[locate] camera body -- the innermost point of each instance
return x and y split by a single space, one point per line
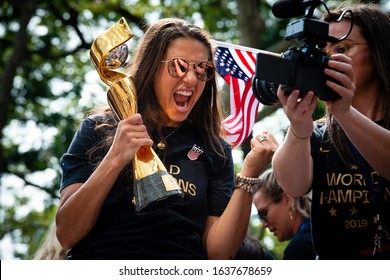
297 68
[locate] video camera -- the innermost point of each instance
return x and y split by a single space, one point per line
298 67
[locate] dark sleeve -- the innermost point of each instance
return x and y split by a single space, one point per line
220 187
74 163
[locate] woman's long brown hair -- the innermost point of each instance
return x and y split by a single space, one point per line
375 26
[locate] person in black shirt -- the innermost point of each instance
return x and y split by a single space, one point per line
287 217
344 157
179 116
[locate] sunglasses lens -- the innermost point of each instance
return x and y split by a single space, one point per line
204 70
263 215
263 212
178 67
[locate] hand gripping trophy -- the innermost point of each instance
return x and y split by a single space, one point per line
154 187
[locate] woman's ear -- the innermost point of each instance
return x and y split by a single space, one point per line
288 200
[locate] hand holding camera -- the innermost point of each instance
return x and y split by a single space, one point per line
299 67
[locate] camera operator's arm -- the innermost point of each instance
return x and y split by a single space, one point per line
292 162
356 119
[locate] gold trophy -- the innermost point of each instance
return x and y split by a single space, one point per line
154 187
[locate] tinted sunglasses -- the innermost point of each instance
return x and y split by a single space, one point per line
263 212
179 67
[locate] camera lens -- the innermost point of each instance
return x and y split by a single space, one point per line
265 91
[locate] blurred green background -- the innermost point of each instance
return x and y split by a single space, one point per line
47 83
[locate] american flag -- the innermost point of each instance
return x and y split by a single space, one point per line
236 65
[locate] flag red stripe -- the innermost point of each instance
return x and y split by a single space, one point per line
238 67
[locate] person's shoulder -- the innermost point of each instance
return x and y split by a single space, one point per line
88 126
299 239
300 247
101 117
302 238
89 123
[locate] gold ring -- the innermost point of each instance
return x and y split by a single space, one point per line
262 138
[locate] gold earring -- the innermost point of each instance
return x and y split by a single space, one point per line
290 214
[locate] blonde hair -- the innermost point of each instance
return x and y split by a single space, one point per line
271 188
50 248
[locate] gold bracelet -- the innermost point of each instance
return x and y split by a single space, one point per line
299 137
248 184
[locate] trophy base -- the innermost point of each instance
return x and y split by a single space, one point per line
156 191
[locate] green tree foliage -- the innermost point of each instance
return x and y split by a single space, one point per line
47 86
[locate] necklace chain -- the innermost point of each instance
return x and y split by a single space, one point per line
160 144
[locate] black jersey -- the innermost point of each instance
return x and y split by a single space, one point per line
170 233
343 205
300 247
